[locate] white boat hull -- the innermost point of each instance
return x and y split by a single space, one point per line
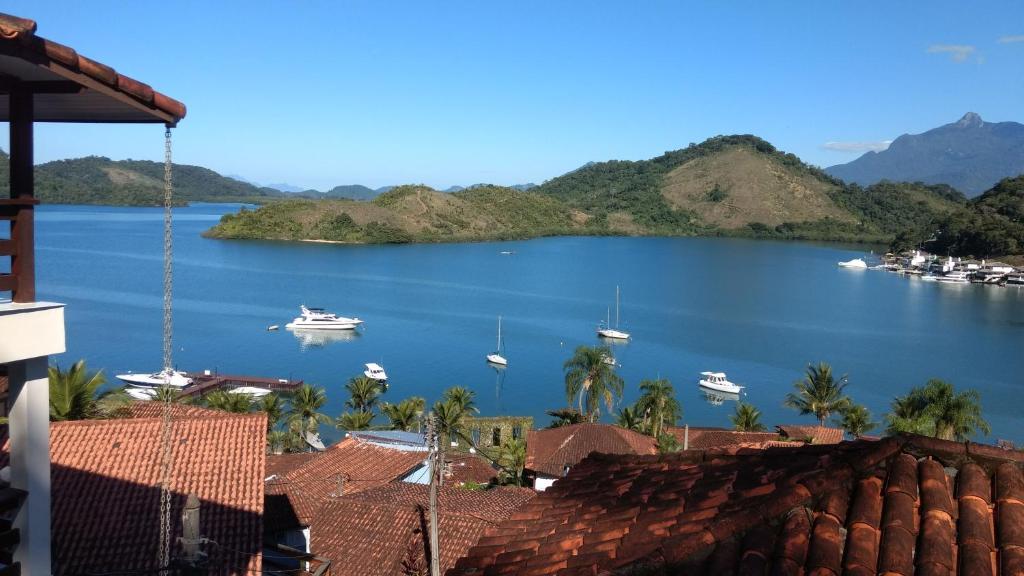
497 359
856 264
613 334
341 324
250 390
176 379
725 387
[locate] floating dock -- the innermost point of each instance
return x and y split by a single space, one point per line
203 382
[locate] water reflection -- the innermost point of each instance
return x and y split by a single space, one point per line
716 398
319 338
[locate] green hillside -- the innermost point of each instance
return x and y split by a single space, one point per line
99 180
406 214
988 226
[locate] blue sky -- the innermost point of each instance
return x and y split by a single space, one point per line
320 93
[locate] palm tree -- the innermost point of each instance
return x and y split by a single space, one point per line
629 419
73 393
667 443
273 407
564 417
277 441
590 380
303 415
513 459
228 402
819 393
363 393
462 397
747 418
658 405
957 416
856 421
405 415
169 394
354 421
908 415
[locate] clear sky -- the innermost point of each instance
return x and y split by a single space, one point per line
320 93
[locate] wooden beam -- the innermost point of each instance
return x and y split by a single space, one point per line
9 84
23 264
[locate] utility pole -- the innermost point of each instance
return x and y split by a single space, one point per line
436 461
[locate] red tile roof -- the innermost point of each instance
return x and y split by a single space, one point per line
18 36
550 450
707 438
463 468
278 465
105 494
149 409
899 506
816 434
297 495
382 531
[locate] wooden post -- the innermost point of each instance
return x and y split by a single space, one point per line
23 266
436 461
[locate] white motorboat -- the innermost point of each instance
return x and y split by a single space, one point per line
496 356
250 390
376 372
141 393
157 379
717 381
857 263
607 331
1015 279
272 327
929 278
609 360
319 319
955 277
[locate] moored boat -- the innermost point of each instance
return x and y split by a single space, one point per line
319 319
718 382
606 331
856 263
376 372
168 377
496 357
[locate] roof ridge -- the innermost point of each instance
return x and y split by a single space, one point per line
140 421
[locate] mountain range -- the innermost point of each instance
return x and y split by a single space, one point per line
970 155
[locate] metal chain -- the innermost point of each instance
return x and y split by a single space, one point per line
166 424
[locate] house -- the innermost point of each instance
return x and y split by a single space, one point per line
552 452
900 506
297 487
105 477
384 530
488 433
43 81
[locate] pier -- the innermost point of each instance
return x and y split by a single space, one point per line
203 382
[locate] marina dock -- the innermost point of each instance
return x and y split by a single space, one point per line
203 382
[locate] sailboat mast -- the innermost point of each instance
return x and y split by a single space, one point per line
616 307
499 333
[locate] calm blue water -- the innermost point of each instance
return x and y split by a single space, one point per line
759 311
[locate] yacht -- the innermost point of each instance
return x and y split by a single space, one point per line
496 356
319 319
718 382
157 379
857 263
955 277
1016 279
376 372
607 331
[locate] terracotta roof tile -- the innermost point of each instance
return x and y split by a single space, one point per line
144 409
862 507
295 497
278 465
707 438
21 33
463 468
382 530
816 434
550 450
105 496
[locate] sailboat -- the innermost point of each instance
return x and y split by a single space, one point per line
614 333
496 357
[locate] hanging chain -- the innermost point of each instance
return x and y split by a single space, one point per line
165 425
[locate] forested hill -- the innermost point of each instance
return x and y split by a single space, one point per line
742 185
99 180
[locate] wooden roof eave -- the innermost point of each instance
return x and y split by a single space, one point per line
88 83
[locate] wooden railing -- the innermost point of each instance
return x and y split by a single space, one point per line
19 247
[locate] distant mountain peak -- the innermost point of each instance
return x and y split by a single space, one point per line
970 120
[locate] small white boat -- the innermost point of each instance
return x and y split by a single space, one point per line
955 277
507 252
272 327
319 319
141 393
250 390
1015 279
496 357
376 372
157 379
607 331
857 263
929 278
609 360
717 381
